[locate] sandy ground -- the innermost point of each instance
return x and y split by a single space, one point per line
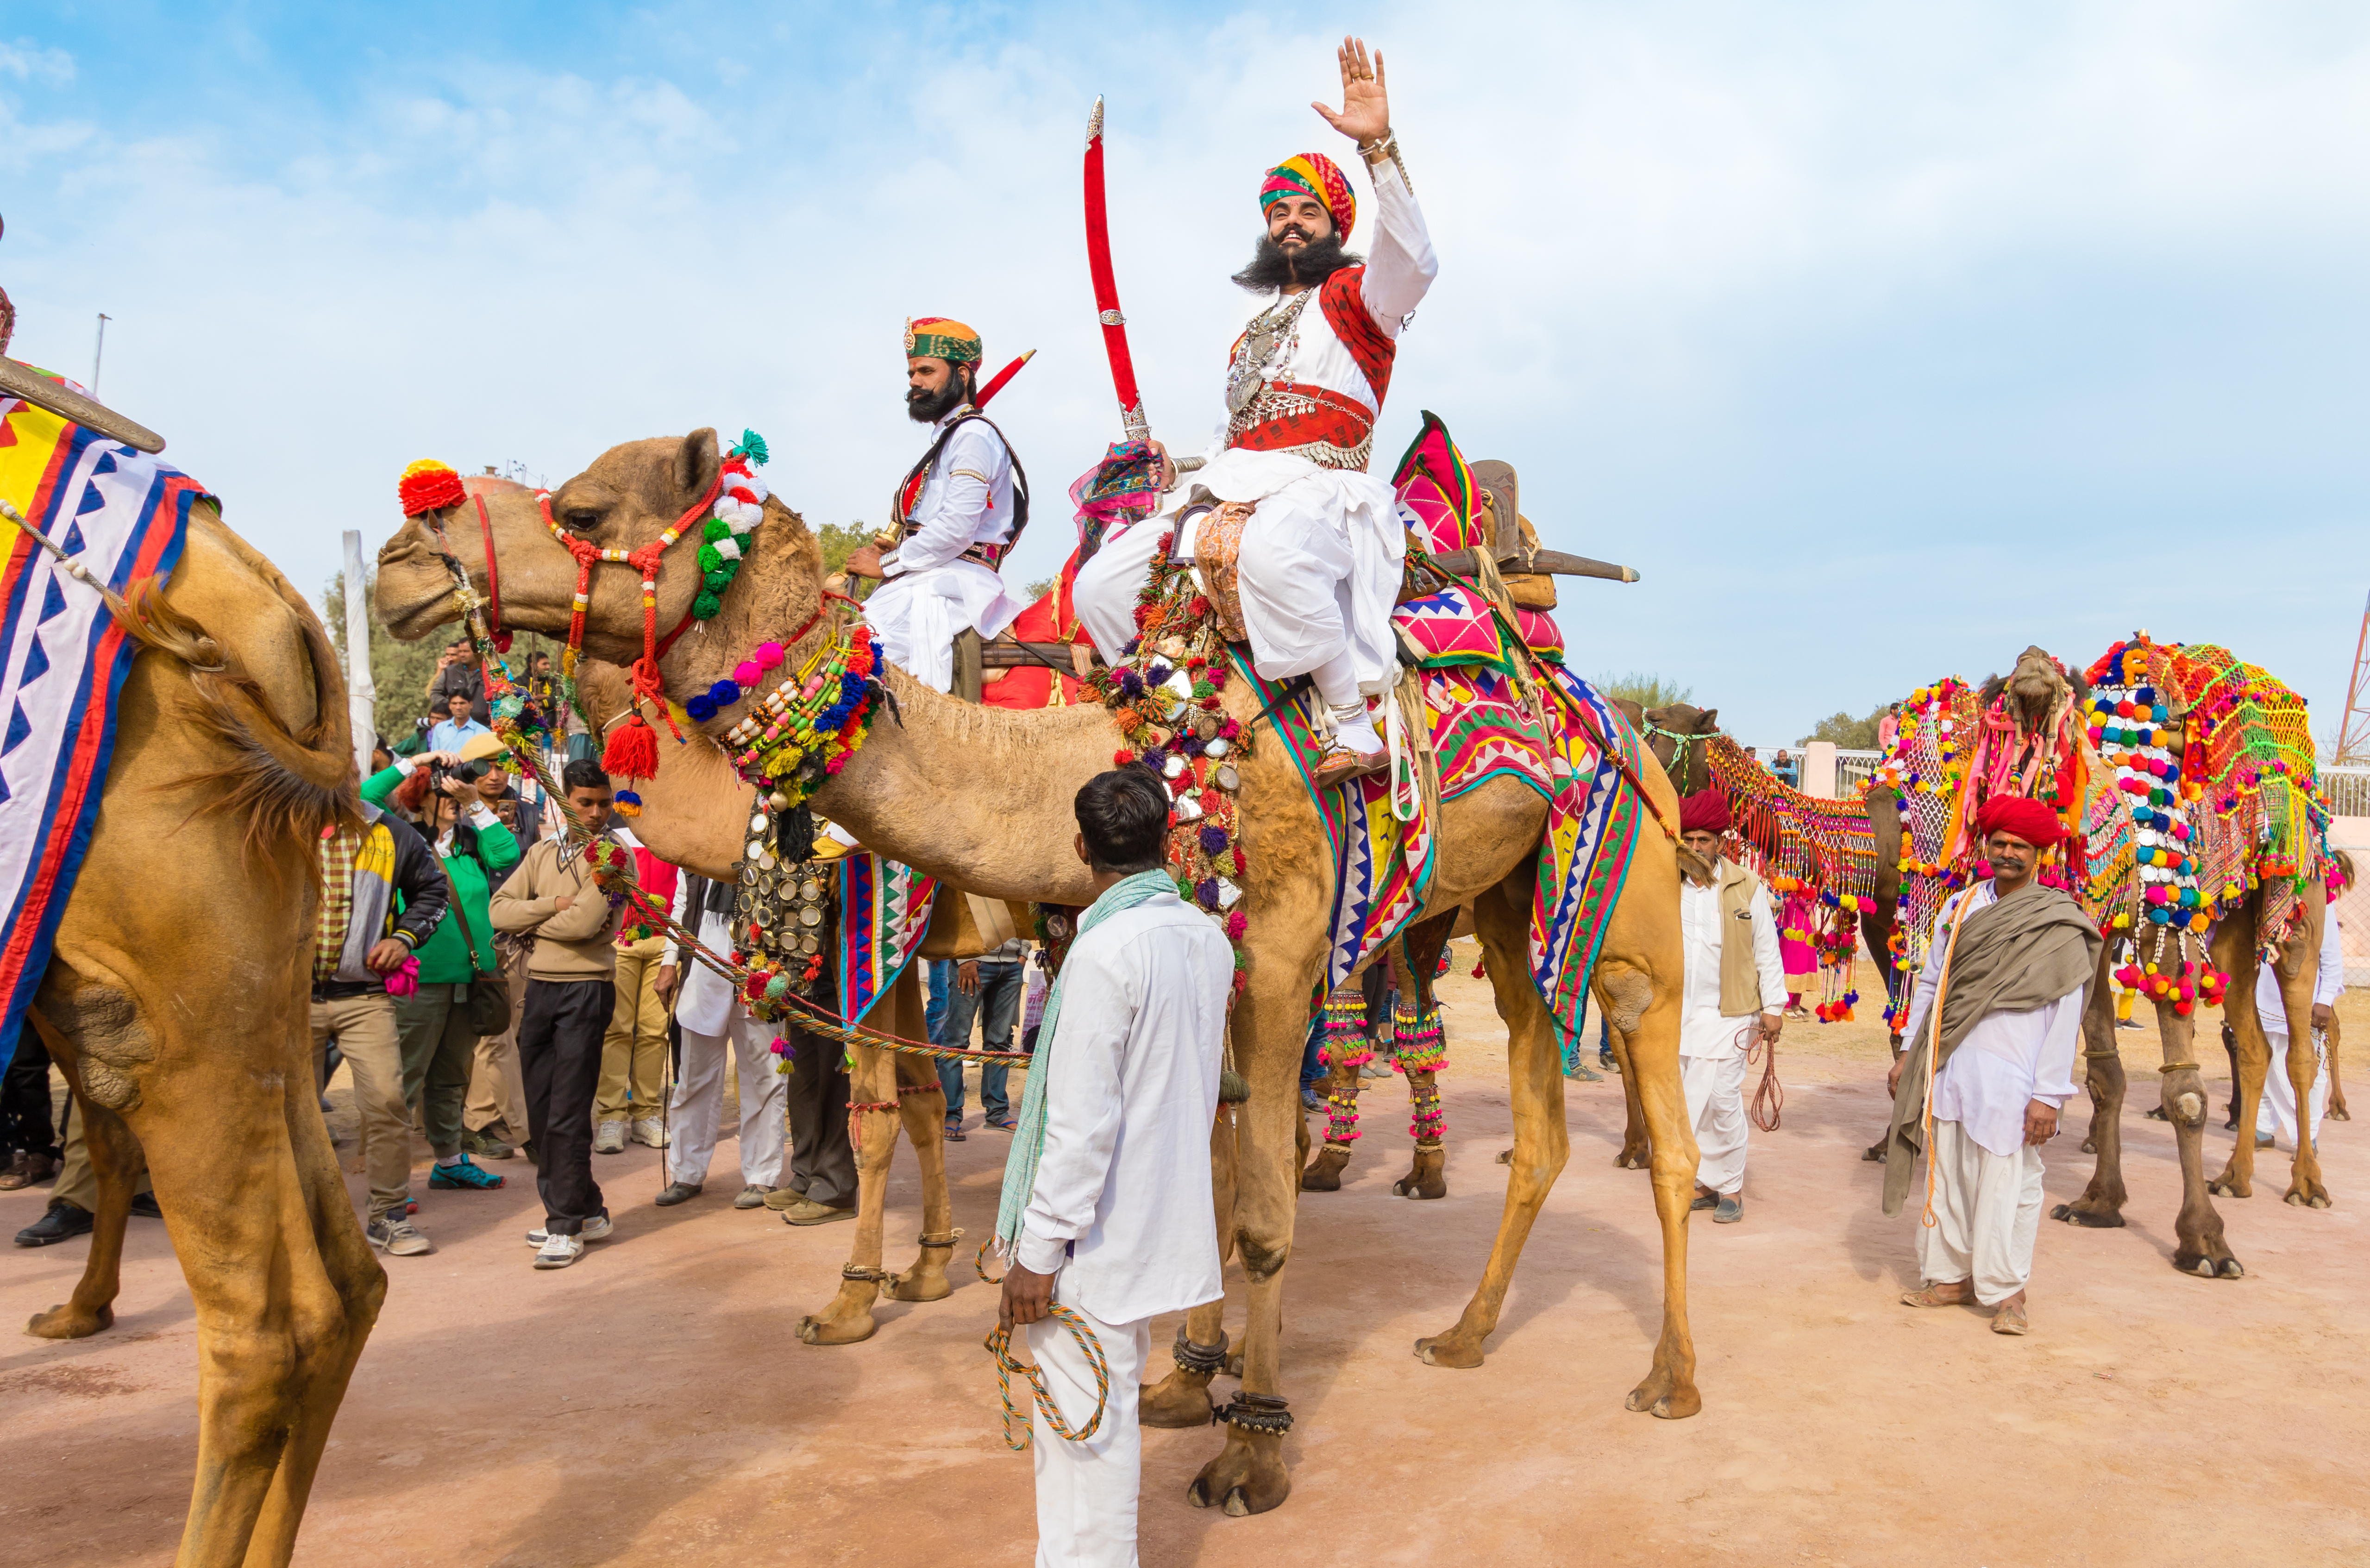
652 1405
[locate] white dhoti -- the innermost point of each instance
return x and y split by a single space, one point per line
698 1103
916 617
1086 1492
2275 1114
1986 1216
1318 571
1715 1091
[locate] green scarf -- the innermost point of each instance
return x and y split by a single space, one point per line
1028 1138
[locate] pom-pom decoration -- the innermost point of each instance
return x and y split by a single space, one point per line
429 486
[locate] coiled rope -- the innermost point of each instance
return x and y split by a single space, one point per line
999 1345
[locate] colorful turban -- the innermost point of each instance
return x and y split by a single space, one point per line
938 338
1706 811
1313 174
2031 821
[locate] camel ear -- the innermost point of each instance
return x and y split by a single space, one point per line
696 462
1710 721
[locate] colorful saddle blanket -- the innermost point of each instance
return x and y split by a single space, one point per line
884 912
123 515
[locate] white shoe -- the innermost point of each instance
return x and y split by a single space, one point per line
610 1137
652 1131
557 1252
597 1229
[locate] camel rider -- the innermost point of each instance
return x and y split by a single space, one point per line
953 518
1733 991
1319 561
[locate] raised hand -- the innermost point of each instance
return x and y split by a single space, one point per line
1365 114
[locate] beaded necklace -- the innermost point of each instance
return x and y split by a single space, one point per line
804 730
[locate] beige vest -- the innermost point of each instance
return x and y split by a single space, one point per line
1740 977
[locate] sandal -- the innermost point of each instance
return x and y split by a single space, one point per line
1931 1297
1340 764
2010 1319
954 1130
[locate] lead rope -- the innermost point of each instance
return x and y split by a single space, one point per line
1934 1049
999 1345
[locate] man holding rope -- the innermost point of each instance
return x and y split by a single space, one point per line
1734 995
1107 1197
1993 1026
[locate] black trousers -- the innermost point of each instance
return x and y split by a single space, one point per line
822 1166
560 1028
25 1100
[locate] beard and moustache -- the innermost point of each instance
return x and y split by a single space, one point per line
924 407
1272 266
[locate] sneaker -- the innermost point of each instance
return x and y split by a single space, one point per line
610 1138
650 1131
394 1234
487 1147
2129 1023
1375 1069
751 1196
595 1229
464 1172
557 1252
65 1220
676 1193
1731 1210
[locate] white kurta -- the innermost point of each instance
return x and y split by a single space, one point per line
2275 1116
1320 562
1713 1048
715 1021
931 593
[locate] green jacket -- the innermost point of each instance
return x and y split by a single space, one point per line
445 960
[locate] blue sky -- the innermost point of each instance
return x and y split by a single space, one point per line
1883 340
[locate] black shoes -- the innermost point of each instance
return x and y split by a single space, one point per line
63 1222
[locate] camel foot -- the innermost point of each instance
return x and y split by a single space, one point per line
1427 1178
2091 1219
1181 1399
1248 1477
1505 1157
2229 1185
2338 1113
1874 1153
2206 1265
2089 1146
1633 1157
1235 1364
1324 1172
2308 1194
1453 1348
847 1321
1662 1396
923 1282
67 1322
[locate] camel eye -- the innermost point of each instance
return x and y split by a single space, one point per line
581 520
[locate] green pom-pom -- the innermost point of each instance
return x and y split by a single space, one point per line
704 607
719 579
711 560
714 529
753 446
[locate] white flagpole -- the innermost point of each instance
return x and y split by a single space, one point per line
361 694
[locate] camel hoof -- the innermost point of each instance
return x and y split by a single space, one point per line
1324 1172
1676 1405
1247 1477
2089 1146
1427 1178
1632 1159
1236 1508
1196 1493
2205 1266
63 1322
2308 1197
1444 1351
919 1286
2230 1187
2231 1269
1176 1401
2338 1113
844 1331
1235 1364
2154 1114
2094 1219
1874 1153
1505 1157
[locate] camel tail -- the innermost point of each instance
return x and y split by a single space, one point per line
288 786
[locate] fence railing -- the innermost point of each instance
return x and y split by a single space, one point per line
2348 790
1852 769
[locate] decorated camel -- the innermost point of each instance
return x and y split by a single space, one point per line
974 796
175 1002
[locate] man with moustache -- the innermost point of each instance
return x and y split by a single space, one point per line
1322 546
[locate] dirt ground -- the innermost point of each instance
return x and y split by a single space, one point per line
652 1404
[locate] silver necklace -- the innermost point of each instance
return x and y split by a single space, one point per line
1269 330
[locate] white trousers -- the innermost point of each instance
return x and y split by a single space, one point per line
699 1103
1715 1090
1986 1215
2275 1114
1087 1491
917 625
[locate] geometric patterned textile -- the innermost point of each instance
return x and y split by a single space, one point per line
1926 770
122 515
884 912
1437 495
1452 626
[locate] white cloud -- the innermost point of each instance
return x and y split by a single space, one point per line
27 62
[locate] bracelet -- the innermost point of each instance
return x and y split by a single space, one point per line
1388 147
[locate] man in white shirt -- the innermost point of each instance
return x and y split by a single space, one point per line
1734 992
1107 1199
715 1019
1997 1009
2276 1113
954 516
1321 554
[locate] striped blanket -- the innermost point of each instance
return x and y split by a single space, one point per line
884 911
123 515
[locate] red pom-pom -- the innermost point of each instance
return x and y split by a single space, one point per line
633 752
1122 758
429 486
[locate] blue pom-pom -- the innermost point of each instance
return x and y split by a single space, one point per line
701 709
724 694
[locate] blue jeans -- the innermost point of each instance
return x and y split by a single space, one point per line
997 1007
934 1016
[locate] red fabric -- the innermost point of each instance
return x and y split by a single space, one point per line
1031 685
2029 819
1342 420
657 877
1706 811
1344 296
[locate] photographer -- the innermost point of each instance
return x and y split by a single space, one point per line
435 1026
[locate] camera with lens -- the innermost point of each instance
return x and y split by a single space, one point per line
465 772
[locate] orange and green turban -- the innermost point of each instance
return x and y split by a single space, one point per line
938 338
1313 174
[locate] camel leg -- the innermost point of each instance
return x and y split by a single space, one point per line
1182 1399
1420 1052
109 1144
2100 1205
1636 1147
848 1318
2200 1247
922 1107
2337 1111
2233 954
1347 1048
2305 1188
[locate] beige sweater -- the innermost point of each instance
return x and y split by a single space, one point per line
575 943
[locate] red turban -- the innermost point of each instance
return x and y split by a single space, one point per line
1706 811
2031 821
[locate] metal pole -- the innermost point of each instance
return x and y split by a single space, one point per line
362 693
97 350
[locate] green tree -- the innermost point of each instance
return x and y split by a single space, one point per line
840 540
401 671
1846 731
1645 690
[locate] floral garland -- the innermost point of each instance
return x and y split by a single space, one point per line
740 507
1163 694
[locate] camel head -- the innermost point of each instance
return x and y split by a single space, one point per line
628 497
1676 738
2037 689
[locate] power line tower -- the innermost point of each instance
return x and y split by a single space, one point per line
2354 724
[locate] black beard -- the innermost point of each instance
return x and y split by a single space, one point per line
1272 266
929 408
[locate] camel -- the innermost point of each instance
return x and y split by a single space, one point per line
976 795
176 1007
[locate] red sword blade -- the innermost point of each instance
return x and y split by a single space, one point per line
1099 264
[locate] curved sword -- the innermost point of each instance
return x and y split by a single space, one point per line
1099 264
